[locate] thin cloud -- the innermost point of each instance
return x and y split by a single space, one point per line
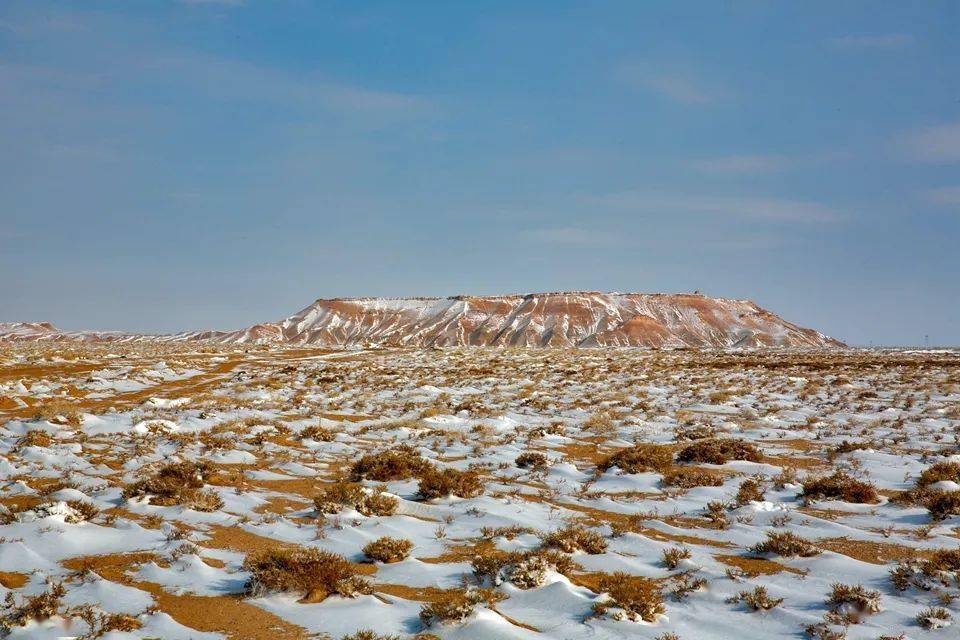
882 41
948 196
937 144
741 164
576 237
769 209
673 84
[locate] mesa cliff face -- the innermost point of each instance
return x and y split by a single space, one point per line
565 319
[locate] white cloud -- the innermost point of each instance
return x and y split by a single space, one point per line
949 196
576 237
671 83
741 164
881 41
938 144
756 208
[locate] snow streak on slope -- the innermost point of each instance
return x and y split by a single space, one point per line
570 319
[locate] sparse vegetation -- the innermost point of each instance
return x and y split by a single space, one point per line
314 573
388 549
719 451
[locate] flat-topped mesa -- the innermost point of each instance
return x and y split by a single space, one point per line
556 319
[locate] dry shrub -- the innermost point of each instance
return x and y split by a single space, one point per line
756 600
316 573
457 605
719 451
318 433
576 538
369 502
525 569
690 477
59 412
399 463
939 472
750 490
934 618
786 543
367 634
673 556
438 484
177 483
853 601
388 549
508 532
34 438
696 432
532 460
840 486
82 511
940 568
943 504
639 458
33 608
638 598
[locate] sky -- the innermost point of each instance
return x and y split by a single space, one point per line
170 165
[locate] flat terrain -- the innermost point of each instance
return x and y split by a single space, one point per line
188 491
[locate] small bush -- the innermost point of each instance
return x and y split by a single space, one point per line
177 483
82 511
940 568
939 472
639 458
787 544
750 490
457 605
34 438
673 556
388 549
639 598
313 572
438 484
719 451
934 618
369 502
943 504
840 486
576 538
318 433
690 477
532 460
367 634
39 607
399 463
853 599
756 600
525 569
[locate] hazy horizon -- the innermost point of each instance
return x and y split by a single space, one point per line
218 163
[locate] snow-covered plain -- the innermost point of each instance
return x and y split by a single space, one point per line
276 427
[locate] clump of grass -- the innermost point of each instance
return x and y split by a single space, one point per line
934 618
638 598
399 463
532 460
367 634
388 549
315 573
32 608
939 472
369 502
840 486
673 556
719 451
318 433
457 605
750 490
34 438
639 458
786 543
853 601
59 412
756 600
941 567
438 484
177 483
525 569
576 538
509 532
690 477
81 511
943 504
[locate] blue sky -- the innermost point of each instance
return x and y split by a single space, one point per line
173 165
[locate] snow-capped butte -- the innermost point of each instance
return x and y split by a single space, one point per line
566 319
